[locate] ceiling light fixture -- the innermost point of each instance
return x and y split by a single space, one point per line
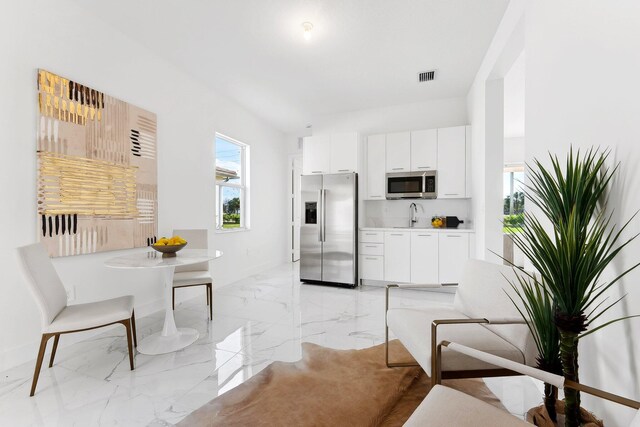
307 27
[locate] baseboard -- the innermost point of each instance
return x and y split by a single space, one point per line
27 352
381 284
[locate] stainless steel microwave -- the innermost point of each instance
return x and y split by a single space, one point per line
412 185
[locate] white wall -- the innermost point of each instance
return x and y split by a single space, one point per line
567 103
61 38
487 138
513 150
423 115
514 99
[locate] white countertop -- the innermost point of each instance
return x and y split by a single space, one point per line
418 229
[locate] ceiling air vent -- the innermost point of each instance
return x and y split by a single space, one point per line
426 76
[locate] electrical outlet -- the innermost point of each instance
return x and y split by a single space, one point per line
71 294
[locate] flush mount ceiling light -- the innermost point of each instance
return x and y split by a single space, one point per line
307 27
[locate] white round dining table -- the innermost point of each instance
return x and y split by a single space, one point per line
171 338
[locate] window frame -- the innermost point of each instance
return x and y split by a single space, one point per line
243 186
511 169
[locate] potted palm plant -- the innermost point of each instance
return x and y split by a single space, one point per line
537 309
573 251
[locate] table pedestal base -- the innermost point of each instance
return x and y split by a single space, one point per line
171 338
159 344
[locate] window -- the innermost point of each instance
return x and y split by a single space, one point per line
232 184
513 207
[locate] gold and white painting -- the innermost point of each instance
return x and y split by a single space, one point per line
97 170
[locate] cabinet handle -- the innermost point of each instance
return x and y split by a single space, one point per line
379 197
424 235
316 171
451 194
453 235
397 169
343 170
371 234
396 234
370 246
424 167
371 259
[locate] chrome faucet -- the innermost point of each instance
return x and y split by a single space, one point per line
412 218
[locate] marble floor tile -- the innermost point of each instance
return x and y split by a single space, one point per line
258 320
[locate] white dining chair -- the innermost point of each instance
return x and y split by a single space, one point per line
59 318
196 274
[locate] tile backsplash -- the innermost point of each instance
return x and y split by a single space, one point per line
396 213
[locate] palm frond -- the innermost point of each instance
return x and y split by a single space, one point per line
581 242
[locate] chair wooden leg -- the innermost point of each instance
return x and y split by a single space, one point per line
207 289
210 301
133 326
127 325
36 373
53 351
173 298
210 288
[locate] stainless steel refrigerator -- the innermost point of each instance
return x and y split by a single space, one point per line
329 229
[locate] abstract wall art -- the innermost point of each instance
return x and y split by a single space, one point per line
97 170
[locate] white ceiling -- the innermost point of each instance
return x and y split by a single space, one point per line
363 53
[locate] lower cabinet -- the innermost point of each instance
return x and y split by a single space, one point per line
415 256
424 257
371 267
397 256
454 252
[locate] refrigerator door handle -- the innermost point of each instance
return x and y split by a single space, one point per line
324 215
320 212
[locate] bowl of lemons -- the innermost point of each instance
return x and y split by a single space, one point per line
169 246
438 222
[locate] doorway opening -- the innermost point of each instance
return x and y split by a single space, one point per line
514 159
295 170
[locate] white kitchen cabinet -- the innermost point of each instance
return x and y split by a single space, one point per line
424 257
398 152
376 167
452 163
344 152
371 249
316 154
372 236
371 267
424 150
397 256
453 248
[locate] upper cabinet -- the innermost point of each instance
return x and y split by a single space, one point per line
398 152
446 150
316 154
335 153
424 150
452 159
375 164
344 152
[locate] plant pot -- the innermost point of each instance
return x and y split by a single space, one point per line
538 416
